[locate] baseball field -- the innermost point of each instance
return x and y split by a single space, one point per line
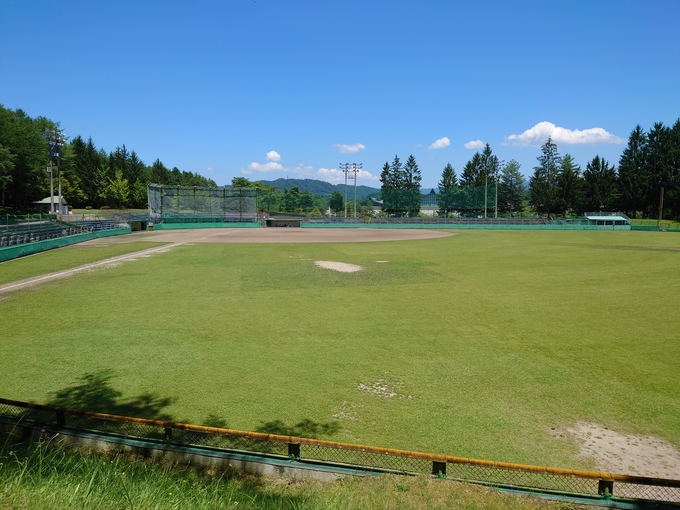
486 344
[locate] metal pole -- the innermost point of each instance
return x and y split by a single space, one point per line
345 169
486 187
49 170
661 205
59 179
354 168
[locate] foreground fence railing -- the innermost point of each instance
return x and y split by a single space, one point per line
501 474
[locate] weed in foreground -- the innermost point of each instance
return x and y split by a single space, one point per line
45 475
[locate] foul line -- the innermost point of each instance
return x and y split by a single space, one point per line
62 274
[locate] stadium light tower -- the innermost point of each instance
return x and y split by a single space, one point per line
55 141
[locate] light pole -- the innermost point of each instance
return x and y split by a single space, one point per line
498 166
55 141
356 168
344 167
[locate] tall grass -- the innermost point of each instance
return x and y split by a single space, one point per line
46 476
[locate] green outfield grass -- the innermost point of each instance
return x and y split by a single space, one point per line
473 345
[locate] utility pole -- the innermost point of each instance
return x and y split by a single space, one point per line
351 171
344 167
356 168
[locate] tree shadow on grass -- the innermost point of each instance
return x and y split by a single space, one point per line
305 428
212 420
94 392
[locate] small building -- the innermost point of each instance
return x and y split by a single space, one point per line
45 205
612 219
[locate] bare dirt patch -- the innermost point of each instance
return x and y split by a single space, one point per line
386 386
628 454
338 266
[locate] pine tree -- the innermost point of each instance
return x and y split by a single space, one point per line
447 190
511 190
600 183
570 185
411 186
544 183
633 175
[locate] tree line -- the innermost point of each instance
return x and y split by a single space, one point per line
645 183
89 175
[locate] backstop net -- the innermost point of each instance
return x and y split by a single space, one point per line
190 204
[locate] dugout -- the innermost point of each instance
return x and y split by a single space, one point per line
608 219
283 222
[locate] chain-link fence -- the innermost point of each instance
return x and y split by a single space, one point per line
168 204
497 474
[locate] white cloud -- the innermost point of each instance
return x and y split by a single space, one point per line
335 176
273 156
440 143
272 166
348 149
537 136
210 169
474 144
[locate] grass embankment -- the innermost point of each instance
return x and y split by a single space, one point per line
473 345
46 477
62 259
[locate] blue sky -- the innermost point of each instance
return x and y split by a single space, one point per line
276 88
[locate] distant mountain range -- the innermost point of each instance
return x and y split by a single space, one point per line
322 188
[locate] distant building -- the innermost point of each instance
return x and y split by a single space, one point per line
45 204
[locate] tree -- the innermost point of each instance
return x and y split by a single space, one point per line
241 182
159 174
600 183
6 167
448 190
633 175
511 189
543 184
672 200
570 185
336 202
391 179
118 192
471 171
101 185
659 171
411 185
25 181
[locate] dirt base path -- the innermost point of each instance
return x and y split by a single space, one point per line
289 235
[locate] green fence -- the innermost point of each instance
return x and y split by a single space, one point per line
21 250
656 225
